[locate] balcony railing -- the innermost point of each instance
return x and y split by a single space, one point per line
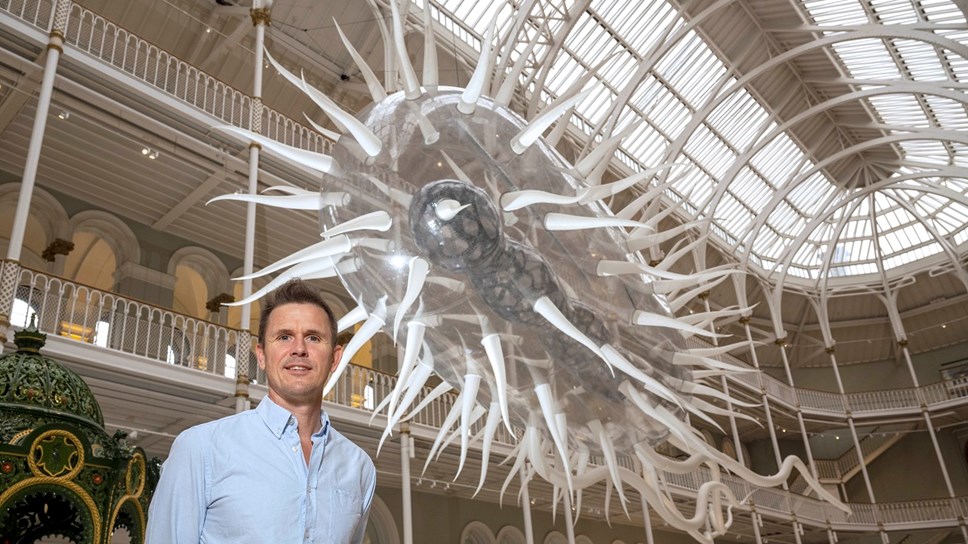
115 46
60 307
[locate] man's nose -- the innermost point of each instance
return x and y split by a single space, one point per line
299 346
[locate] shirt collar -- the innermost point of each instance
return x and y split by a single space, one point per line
278 418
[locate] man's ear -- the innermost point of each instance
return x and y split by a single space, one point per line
337 355
260 356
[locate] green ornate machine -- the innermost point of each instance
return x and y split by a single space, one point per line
60 472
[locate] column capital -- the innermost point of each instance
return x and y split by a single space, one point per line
242 386
260 16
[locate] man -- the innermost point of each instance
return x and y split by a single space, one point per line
279 473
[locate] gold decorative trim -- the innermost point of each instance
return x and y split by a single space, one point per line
135 488
39 470
46 480
902 342
137 507
830 350
56 47
20 436
261 15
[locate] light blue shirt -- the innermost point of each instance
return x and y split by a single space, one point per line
244 478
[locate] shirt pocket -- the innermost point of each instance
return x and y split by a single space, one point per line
345 501
344 515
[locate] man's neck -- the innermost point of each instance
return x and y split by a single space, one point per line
307 415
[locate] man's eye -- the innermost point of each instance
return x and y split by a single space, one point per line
314 339
285 336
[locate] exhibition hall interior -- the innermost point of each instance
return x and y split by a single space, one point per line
727 300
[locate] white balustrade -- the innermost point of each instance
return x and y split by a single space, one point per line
63 308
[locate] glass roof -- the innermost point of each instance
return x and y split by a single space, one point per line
769 198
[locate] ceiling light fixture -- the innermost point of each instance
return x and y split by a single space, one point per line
64 115
150 153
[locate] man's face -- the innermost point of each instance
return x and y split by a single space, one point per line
298 354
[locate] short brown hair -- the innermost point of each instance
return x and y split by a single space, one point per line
295 291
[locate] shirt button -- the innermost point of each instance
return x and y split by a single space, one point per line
294 448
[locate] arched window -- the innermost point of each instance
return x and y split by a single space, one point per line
381 527
476 532
509 534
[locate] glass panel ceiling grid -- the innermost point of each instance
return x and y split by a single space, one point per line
680 83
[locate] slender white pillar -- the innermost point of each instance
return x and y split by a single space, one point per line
405 483
803 428
765 400
647 520
569 518
704 296
54 49
261 18
526 505
756 524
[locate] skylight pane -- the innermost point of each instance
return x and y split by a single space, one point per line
920 60
739 105
565 71
950 114
808 254
767 244
942 11
693 182
709 151
588 39
900 109
646 144
618 70
812 193
894 12
597 103
645 25
859 227
836 12
691 69
867 59
750 188
732 215
785 219
927 151
669 113
774 160
957 63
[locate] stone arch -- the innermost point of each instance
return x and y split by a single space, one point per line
476 532
112 230
46 214
555 537
211 274
102 244
381 526
509 534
